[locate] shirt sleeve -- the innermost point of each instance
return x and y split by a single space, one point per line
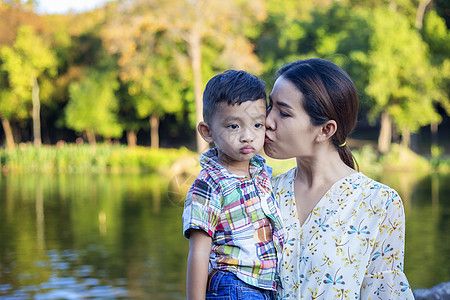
202 208
384 278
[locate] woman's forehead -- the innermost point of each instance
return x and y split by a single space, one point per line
285 93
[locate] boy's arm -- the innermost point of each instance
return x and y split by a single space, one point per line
198 264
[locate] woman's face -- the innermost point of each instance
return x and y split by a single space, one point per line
290 132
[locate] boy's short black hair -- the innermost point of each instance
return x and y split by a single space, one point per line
232 87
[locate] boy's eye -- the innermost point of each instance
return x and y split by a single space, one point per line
233 126
259 125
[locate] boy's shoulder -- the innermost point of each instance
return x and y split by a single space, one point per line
205 175
203 187
210 177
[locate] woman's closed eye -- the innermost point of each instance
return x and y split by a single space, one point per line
284 115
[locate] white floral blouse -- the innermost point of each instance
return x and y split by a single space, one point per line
351 246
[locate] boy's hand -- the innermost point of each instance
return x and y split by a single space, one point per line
198 264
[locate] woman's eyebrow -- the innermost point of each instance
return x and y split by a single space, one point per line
280 103
284 104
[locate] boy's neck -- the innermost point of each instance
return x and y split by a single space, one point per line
240 168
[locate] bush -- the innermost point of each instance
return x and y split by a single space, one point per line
404 159
368 160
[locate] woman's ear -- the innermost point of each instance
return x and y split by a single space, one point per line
326 131
205 132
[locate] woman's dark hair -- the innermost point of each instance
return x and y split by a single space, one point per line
329 94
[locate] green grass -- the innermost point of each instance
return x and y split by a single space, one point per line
72 158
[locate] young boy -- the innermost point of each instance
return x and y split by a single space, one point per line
230 217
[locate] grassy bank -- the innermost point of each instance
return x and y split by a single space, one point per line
73 158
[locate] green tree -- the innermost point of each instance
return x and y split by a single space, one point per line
156 38
151 69
93 106
437 36
386 57
13 14
407 8
401 80
79 49
281 31
11 107
28 59
227 24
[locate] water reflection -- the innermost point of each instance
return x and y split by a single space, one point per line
90 237
119 236
427 209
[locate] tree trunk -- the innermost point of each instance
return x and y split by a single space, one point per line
421 12
385 136
434 138
8 133
154 128
91 137
195 54
131 138
434 133
406 138
36 112
393 5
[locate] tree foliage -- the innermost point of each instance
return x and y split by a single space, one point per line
29 57
437 36
150 65
384 54
153 58
27 61
400 77
93 106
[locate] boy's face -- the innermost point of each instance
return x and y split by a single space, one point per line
238 131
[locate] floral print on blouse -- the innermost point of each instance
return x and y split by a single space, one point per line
351 246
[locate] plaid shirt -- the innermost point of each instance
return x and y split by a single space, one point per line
241 216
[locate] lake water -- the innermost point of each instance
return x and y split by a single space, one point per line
120 236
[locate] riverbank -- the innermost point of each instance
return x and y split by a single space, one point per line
73 158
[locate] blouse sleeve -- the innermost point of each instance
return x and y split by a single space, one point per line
384 278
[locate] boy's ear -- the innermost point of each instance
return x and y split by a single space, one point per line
326 131
205 131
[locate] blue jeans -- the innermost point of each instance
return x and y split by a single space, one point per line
224 285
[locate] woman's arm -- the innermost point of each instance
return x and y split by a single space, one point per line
197 265
385 278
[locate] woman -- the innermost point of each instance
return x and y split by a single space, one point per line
344 232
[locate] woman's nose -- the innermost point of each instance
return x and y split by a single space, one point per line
270 123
